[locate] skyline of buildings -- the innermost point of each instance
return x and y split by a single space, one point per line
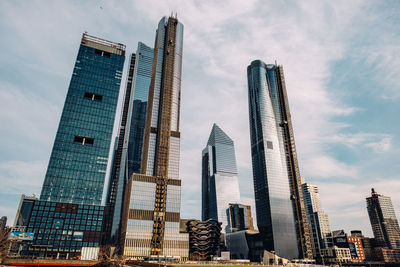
281 214
151 212
220 185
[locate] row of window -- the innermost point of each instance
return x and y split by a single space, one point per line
93 65
87 53
67 227
68 244
72 216
81 85
54 204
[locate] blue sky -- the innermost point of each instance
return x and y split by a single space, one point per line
341 61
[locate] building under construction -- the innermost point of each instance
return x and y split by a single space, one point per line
151 212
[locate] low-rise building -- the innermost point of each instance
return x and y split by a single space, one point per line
387 255
60 230
335 254
245 244
354 243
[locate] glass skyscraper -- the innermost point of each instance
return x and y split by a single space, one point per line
78 161
385 225
151 213
281 215
67 221
220 185
128 152
321 233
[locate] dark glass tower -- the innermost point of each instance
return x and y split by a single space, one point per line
128 152
220 185
67 221
78 161
281 215
383 221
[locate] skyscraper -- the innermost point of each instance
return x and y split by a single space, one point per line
151 211
383 221
281 215
128 153
220 184
321 233
78 161
67 221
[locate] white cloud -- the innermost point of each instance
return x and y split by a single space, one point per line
26 116
382 146
22 177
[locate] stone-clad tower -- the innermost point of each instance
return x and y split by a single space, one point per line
152 198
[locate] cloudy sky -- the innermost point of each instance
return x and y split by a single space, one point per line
341 61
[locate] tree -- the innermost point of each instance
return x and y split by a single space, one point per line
4 244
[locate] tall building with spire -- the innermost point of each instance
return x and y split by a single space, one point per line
128 152
220 184
281 214
385 225
151 213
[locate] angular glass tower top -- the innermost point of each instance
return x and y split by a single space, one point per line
220 184
224 152
78 161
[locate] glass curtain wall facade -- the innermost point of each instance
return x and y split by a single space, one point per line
281 215
78 161
385 225
320 228
220 185
67 221
128 153
151 214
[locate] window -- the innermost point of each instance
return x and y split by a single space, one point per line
78 236
93 97
102 53
83 140
270 145
58 223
